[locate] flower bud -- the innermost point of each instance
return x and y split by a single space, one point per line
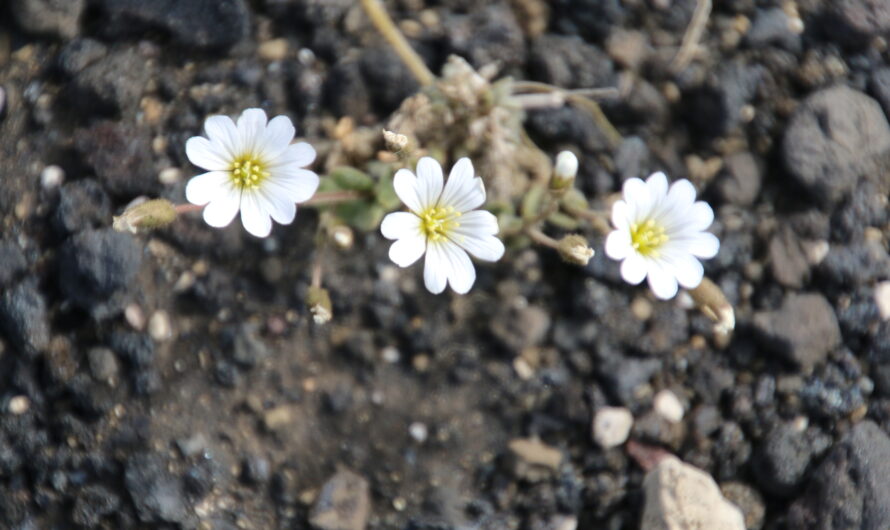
395 142
147 215
319 302
574 249
564 171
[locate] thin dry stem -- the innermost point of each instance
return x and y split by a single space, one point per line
186 208
384 24
596 112
541 238
692 36
325 198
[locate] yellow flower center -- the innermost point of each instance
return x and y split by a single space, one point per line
248 172
646 238
437 221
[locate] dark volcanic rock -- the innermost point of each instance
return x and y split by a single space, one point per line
92 504
488 35
388 79
23 317
717 106
205 24
803 331
112 83
739 182
851 488
80 53
121 156
56 17
854 22
96 266
82 204
856 264
158 495
782 460
832 139
772 27
12 262
569 62
879 87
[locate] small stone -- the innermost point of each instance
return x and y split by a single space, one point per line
391 354
882 299
170 176
855 22
788 260
24 318
93 503
536 453
158 495
668 406
52 177
13 260
628 48
782 459
569 62
772 27
740 179
256 469
278 417
159 326
273 50
520 328
748 500
611 426
19 405
834 136
135 316
103 364
55 17
82 204
680 497
192 446
343 504
803 331
418 431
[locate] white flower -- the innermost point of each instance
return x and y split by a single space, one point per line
659 233
252 167
444 223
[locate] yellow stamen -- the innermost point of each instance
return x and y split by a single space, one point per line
248 172
436 222
646 238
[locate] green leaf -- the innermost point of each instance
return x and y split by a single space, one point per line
575 200
350 178
361 215
533 201
563 221
386 193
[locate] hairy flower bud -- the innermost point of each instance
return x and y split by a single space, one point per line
319 302
574 249
564 171
147 215
395 142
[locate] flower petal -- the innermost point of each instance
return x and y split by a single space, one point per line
686 268
461 273
463 191
621 215
486 248
205 187
276 137
429 181
639 200
682 194
477 223
618 244
407 250
206 154
397 225
702 244
700 216
661 280
222 131
633 268
297 186
405 184
435 269
295 156
220 212
255 214
251 125
280 207
658 185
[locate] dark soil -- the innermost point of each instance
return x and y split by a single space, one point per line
176 380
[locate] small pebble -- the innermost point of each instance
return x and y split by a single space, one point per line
52 177
135 317
668 406
170 176
19 405
391 354
611 426
418 431
159 326
273 50
882 299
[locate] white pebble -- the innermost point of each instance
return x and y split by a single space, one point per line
611 426
882 299
170 176
19 405
391 354
668 406
135 317
159 326
52 177
418 431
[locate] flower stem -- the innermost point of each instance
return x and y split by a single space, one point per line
384 24
188 207
325 198
540 237
598 220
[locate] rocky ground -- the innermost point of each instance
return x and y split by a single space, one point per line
176 380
